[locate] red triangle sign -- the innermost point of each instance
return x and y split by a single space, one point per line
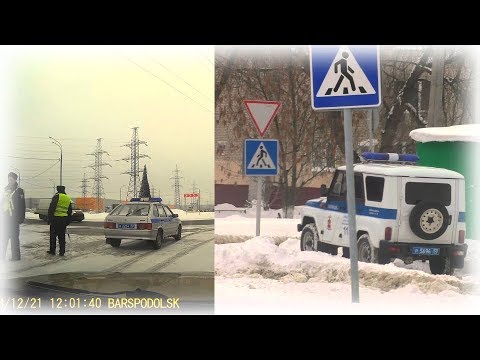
262 113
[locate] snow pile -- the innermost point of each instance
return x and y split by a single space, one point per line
257 295
91 216
237 225
468 132
226 206
260 257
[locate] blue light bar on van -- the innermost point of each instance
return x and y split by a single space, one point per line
157 199
390 157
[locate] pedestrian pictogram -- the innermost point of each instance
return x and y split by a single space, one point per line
261 157
345 77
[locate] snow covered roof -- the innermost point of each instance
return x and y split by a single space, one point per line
467 133
405 170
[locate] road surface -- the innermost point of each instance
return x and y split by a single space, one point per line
86 251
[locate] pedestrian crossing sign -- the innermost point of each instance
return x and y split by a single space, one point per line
345 77
261 157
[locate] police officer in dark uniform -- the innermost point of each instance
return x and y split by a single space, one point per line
13 214
59 217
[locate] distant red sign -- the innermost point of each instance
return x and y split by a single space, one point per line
194 195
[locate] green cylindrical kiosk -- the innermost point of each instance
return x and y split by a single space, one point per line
455 148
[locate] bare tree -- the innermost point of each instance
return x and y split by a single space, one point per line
405 88
300 131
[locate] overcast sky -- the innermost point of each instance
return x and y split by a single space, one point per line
77 94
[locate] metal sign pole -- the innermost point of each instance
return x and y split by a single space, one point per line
259 203
352 228
370 130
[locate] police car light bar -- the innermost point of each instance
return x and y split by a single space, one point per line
158 199
392 157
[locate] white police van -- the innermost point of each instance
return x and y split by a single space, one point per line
403 211
142 219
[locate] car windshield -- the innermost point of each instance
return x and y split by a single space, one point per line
132 210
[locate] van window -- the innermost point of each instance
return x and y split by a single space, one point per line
375 185
434 192
336 186
358 187
339 185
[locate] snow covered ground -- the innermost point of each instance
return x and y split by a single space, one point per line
183 215
269 274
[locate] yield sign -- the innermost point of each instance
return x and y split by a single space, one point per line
262 113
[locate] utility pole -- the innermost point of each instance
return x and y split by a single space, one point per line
435 108
134 160
176 186
97 167
193 200
84 186
153 191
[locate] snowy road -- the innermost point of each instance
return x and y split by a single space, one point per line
86 251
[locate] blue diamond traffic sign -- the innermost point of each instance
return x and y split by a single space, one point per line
345 77
261 157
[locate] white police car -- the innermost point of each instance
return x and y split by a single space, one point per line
142 219
403 211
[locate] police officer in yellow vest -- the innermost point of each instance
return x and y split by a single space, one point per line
13 214
59 217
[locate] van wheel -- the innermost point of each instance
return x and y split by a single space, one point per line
157 243
366 252
308 238
440 265
429 220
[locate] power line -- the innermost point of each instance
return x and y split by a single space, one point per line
173 87
43 172
28 158
185 81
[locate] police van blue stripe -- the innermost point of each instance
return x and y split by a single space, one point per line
371 211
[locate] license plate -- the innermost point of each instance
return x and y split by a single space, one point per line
420 250
126 226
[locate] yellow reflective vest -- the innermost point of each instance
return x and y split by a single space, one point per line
62 205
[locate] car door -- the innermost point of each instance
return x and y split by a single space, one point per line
172 221
155 218
438 192
163 222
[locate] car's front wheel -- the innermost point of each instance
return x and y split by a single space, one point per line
308 238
